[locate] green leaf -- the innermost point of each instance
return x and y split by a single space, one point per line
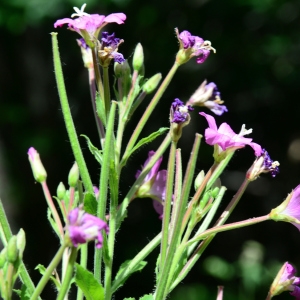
90 287
42 270
147 139
94 150
124 272
129 298
23 293
90 204
147 297
100 108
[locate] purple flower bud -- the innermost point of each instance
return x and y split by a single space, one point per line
84 227
179 111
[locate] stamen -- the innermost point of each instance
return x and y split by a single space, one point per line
207 45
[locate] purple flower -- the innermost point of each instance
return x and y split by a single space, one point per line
191 46
286 281
226 138
154 184
108 49
209 96
89 26
289 209
179 111
84 227
263 164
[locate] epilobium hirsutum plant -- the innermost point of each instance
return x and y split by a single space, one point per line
186 201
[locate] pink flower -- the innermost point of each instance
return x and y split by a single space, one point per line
84 227
226 138
154 184
89 26
289 209
286 281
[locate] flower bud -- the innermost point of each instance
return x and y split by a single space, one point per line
61 191
73 175
122 70
199 180
151 84
138 57
12 250
37 167
2 258
21 242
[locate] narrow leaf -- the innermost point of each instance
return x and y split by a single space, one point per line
94 150
42 270
124 272
90 287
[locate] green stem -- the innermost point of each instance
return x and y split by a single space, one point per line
53 209
135 261
55 261
6 234
149 111
69 274
103 185
201 248
83 263
98 75
106 90
68 117
235 225
99 124
167 209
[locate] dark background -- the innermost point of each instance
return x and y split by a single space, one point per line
256 68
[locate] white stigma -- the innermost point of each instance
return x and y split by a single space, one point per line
245 131
79 12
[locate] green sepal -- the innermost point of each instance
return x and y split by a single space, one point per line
129 298
42 270
100 108
98 154
147 297
52 222
23 293
86 281
146 140
90 204
123 270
